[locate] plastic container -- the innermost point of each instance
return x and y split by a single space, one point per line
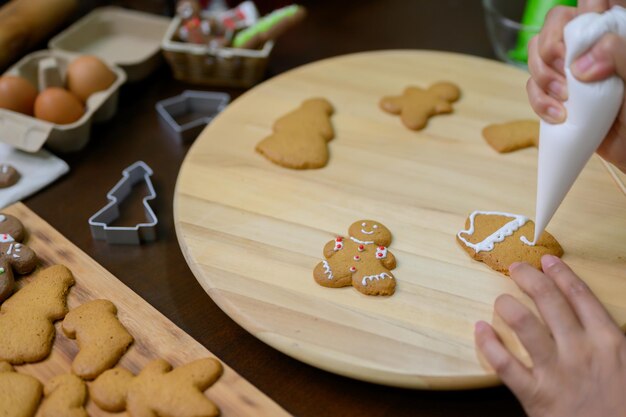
44 69
201 64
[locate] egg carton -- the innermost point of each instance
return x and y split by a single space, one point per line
48 68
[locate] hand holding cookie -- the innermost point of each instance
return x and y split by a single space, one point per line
578 352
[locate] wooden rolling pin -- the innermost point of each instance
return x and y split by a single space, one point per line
25 23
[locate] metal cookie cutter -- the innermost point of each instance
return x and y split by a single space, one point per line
187 114
133 235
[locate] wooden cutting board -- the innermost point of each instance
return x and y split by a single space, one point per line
155 336
252 232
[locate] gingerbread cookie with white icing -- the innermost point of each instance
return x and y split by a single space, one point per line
15 257
361 260
500 239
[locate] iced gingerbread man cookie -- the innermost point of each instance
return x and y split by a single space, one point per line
416 105
361 260
500 239
14 255
300 138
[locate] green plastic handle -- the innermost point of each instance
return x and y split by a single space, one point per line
534 15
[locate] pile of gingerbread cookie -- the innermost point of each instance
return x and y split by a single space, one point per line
27 334
300 141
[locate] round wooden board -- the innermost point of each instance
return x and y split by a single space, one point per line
252 231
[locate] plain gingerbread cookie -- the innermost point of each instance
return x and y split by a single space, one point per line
159 390
416 105
27 318
8 175
300 137
20 394
15 257
101 337
65 396
495 238
512 136
362 260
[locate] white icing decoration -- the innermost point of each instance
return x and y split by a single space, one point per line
327 270
2 217
499 235
338 244
375 226
367 233
381 253
527 242
10 249
363 224
363 242
382 275
5 238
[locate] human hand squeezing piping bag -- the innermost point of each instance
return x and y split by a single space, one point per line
592 107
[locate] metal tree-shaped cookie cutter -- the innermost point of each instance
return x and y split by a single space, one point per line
130 235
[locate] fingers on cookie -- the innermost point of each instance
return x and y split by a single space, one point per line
499 239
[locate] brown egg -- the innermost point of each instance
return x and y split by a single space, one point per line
87 75
17 94
58 106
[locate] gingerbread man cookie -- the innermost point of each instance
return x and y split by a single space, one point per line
65 396
159 390
416 105
14 256
300 138
20 394
100 335
362 260
27 318
8 175
500 239
511 136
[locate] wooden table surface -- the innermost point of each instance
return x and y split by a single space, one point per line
158 272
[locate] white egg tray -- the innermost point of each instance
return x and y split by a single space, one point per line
47 68
122 37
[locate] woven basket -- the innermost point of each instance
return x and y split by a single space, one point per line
200 64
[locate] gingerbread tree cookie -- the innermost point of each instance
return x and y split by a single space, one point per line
159 390
512 136
100 335
65 396
20 394
300 137
500 239
416 105
14 256
362 260
26 319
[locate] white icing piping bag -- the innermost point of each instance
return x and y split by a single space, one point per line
565 148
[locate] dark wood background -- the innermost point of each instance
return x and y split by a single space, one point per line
158 272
